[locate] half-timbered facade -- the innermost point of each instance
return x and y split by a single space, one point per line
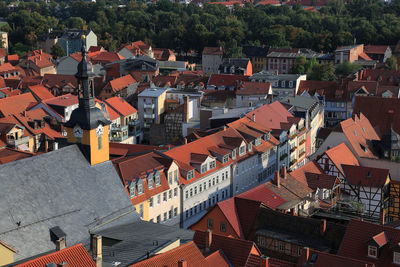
394 201
370 187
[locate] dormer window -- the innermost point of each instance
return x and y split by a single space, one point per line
225 159
150 180
242 150
396 257
250 147
212 164
157 178
267 136
372 251
132 189
140 187
189 175
233 154
258 141
203 168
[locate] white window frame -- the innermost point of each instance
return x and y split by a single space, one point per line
372 249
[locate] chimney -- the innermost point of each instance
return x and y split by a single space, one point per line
323 227
307 253
182 263
97 250
208 240
253 117
277 179
62 264
284 172
225 127
185 140
264 261
60 244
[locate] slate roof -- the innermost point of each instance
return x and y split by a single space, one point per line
132 241
256 51
75 256
58 188
213 50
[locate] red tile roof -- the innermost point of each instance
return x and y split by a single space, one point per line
6 68
13 83
16 104
213 51
135 149
364 56
162 54
358 236
41 92
122 82
218 258
376 109
12 58
312 175
341 155
121 106
316 86
366 176
375 49
263 194
254 88
2 83
76 256
96 49
269 2
162 81
227 80
106 57
9 92
323 259
59 80
228 3
3 52
63 100
188 252
237 251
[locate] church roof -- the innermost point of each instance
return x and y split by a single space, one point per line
59 188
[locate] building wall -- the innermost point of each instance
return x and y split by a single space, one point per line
217 217
207 198
90 40
245 174
47 44
67 65
259 63
211 63
6 255
394 202
4 39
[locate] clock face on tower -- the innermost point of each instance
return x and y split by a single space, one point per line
99 130
78 132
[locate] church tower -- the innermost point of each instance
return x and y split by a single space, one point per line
88 127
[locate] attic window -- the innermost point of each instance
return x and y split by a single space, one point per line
203 168
212 164
157 178
225 159
150 180
267 136
363 129
257 142
396 257
250 147
242 150
372 251
132 189
189 175
233 153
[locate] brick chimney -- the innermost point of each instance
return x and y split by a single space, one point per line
97 250
182 263
277 179
208 240
264 261
60 244
323 227
186 108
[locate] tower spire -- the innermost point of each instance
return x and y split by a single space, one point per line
84 77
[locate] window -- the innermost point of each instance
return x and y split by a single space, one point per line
242 150
157 175
283 84
299 251
165 216
132 189
176 176
396 257
200 188
223 194
212 164
191 192
203 168
372 251
158 218
205 186
234 154
225 159
99 143
210 223
261 241
170 194
217 180
151 202
165 196
175 191
209 183
223 176
170 178
189 175
250 147
187 194
150 181
140 187
213 181
226 175
158 199
222 227
257 142
175 212
170 214
281 246
141 210
290 83
195 190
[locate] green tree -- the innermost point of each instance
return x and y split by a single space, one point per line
322 72
346 68
57 51
391 63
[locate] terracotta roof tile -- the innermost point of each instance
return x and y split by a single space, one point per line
122 82
364 56
366 176
213 51
121 106
269 2
341 155
358 236
106 57
254 88
227 80
218 258
74 256
41 92
7 68
188 252
375 49
263 194
16 104
322 259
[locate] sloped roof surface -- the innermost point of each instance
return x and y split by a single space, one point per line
58 188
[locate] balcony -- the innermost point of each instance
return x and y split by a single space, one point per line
148 106
302 142
119 128
293 162
301 154
149 116
17 142
118 137
134 128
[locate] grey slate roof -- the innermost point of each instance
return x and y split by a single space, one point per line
299 101
131 242
153 92
59 188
